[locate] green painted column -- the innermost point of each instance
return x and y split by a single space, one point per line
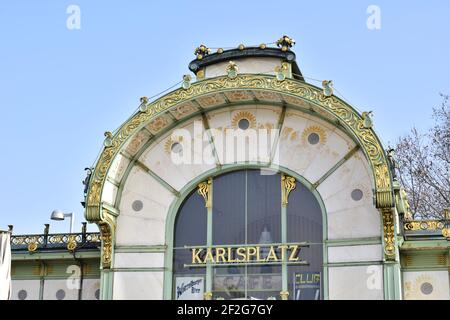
392 280
106 284
287 185
205 189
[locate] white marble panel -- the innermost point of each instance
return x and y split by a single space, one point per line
118 167
138 285
426 285
139 260
109 193
143 208
358 253
91 289
347 217
60 288
31 288
245 65
355 283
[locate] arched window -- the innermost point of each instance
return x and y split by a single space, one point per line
249 243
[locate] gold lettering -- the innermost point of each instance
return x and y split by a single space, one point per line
241 253
272 255
220 255
258 255
209 256
283 251
195 257
251 251
294 254
229 256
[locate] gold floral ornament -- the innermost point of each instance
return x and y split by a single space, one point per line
284 295
285 43
169 144
232 70
207 295
287 185
250 117
389 233
317 130
32 246
204 189
202 51
71 244
327 86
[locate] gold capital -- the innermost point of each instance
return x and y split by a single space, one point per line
287 185
204 189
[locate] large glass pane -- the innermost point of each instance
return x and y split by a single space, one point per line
304 224
264 282
190 224
229 208
263 207
229 283
304 216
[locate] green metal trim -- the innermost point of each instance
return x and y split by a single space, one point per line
163 182
354 264
209 239
418 245
106 284
414 269
140 249
392 280
54 256
354 242
150 269
279 128
210 139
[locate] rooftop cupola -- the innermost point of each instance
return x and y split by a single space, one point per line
277 60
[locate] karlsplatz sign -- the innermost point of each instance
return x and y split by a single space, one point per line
255 254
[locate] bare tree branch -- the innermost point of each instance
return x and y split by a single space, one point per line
423 165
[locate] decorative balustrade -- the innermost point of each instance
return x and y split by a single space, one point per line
57 241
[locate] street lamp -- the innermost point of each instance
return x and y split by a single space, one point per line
59 215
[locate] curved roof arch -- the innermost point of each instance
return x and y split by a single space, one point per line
261 88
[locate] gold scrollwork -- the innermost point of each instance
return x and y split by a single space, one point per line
107 228
424 225
284 295
446 232
204 189
71 243
32 246
389 233
207 295
287 185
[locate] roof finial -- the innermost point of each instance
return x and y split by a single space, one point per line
202 51
285 43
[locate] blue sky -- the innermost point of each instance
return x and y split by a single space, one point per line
61 89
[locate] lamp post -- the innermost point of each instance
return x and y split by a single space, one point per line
59 215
